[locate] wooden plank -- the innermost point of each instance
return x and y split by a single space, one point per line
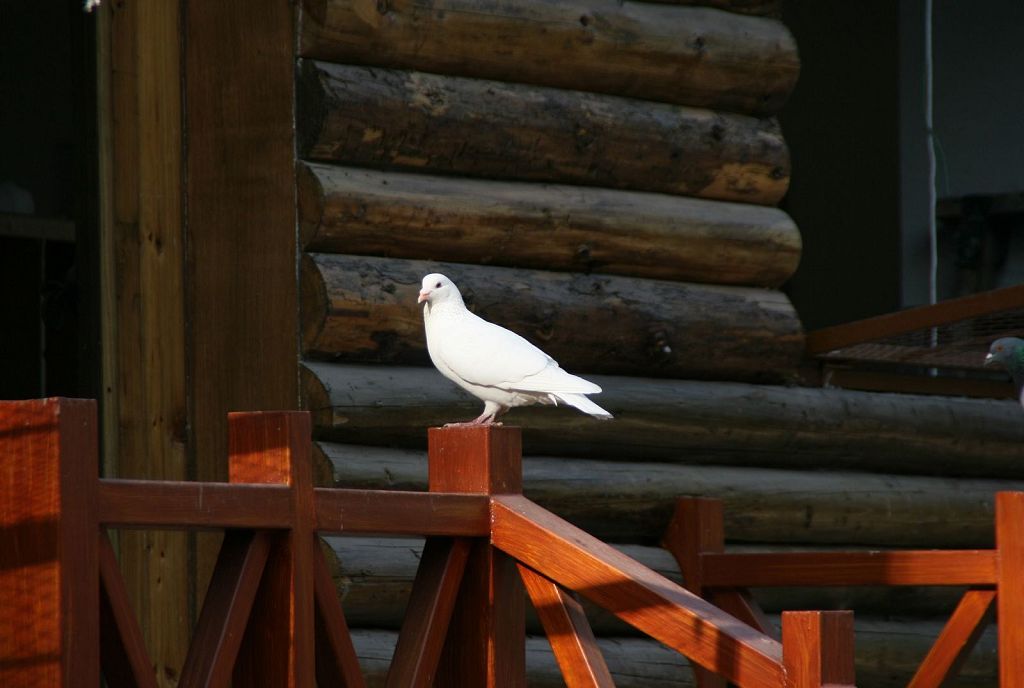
705 422
767 8
179 505
143 303
954 645
484 645
416 121
124 659
336 661
891 324
691 56
227 608
817 649
401 513
279 645
49 560
428 613
871 381
355 211
741 604
367 311
239 169
649 602
1010 602
568 631
906 567
629 501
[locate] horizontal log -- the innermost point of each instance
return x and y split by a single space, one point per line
693 422
569 228
374 577
426 122
887 654
361 308
686 55
632 501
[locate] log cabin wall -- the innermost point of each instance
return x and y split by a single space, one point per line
601 176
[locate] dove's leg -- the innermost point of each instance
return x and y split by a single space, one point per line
491 411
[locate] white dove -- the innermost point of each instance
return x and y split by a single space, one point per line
495 365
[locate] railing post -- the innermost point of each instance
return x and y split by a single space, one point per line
817 649
486 636
1010 587
49 543
278 647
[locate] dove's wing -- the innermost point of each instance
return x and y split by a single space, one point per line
487 354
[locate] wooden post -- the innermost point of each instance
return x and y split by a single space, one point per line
49 543
278 648
1010 587
486 643
817 649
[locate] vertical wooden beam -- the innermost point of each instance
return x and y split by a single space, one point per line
697 526
142 258
817 649
486 636
1010 591
49 536
279 646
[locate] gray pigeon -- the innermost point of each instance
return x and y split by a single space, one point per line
1009 353
493 364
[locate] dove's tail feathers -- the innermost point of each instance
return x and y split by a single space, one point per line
556 381
583 404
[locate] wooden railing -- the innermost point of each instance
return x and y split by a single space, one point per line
271 615
696 537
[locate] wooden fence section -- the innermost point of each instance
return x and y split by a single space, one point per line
696 537
271 615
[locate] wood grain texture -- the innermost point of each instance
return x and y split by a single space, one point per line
49 543
417 121
144 313
695 422
568 632
364 309
336 661
169 504
279 645
1010 595
688 55
398 513
627 501
428 613
651 603
124 660
817 649
556 227
888 653
896 567
374 577
238 92
957 640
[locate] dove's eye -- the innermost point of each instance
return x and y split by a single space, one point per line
437 286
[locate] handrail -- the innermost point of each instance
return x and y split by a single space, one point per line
696 538
271 616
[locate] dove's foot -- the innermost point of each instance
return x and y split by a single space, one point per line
471 423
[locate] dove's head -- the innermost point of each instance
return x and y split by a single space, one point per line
437 288
1006 352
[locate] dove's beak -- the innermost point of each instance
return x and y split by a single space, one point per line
424 295
989 360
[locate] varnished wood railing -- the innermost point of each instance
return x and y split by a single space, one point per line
696 537
271 615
